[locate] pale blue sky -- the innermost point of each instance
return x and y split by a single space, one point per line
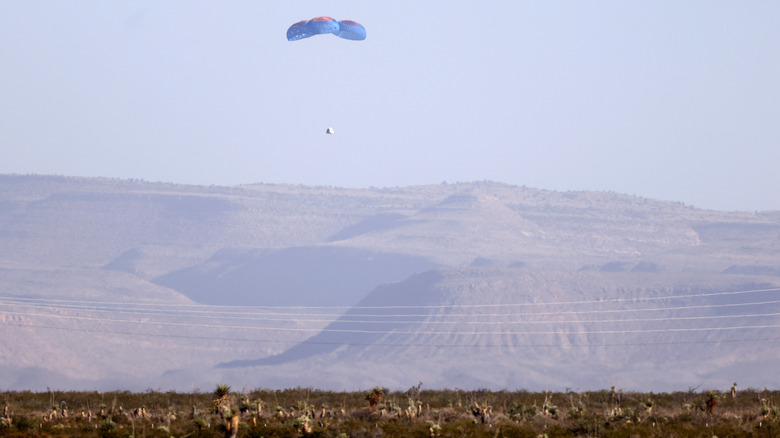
672 100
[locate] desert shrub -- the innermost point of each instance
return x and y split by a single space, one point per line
445 413
408 429
22 423
465 428
515 431
109 429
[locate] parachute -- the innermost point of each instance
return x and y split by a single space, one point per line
347 29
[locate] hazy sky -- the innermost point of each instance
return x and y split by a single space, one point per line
673 100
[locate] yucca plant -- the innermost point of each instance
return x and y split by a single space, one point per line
231 426
434 429
649 405
374 397
712 401
221 394
303 424
107 425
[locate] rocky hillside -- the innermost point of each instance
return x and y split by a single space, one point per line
131 284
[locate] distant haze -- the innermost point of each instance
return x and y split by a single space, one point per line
674 101
120 284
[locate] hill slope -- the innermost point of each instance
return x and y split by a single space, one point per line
499 327
133 284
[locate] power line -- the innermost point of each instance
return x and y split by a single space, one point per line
344 317
435 320
393 332
286 314
553 303
411 344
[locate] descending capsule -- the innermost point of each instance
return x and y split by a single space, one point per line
347 29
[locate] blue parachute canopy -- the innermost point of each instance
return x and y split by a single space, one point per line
346 29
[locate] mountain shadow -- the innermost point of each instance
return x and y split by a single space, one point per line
350 332
377 222
125 262
300 276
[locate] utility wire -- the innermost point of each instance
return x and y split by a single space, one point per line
411 344
387 332
346 317
458 306
433 319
